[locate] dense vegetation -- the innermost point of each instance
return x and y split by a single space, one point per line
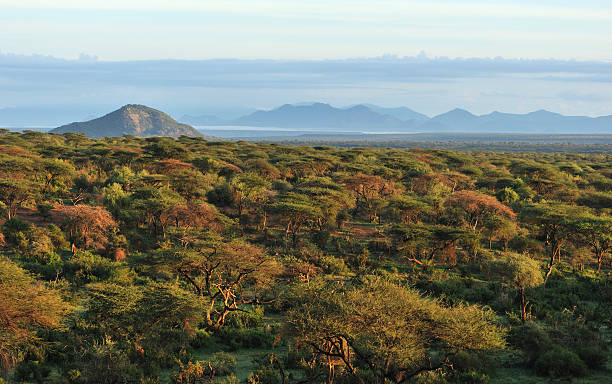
132 260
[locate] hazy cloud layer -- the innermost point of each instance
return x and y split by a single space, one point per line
87 87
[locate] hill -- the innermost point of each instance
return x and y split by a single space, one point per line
131 119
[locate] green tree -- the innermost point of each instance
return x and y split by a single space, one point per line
226 275
26 305
596 233
141 315
248 189
295 211
15 193
552 223
524 273
381 329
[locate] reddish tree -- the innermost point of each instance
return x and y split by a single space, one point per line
476 206
368 190
87 226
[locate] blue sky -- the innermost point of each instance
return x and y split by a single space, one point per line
336 51
307 29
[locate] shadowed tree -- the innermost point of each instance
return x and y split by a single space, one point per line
524 273
225 274
596 233
140 315
552 223
382 330
26 305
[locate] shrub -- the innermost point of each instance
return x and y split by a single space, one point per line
223 363
246 338
333 265
44 209
532 339
595 356
559 362
202 338
191 373
14 230
221 195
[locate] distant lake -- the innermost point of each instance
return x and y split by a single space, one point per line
248 132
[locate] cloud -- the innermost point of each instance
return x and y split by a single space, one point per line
576 95
361 11
429 85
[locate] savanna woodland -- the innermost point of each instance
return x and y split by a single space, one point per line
154 260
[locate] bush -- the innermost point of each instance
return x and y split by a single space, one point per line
14 230
560 362
595 356
246 338
251 318
532 339
192 373
44 209
468 377
267 372
321 238
202 338
221 195
333 265
223 363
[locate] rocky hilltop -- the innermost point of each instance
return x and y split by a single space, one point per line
131 119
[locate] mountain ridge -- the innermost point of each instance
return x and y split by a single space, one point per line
374 118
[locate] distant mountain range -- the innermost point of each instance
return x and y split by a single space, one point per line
373 118
131 119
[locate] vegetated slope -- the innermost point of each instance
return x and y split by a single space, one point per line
131 119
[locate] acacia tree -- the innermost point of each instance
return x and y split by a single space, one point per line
87 226
406 209
552 221
326 195
14 193
524 273
55 174
226 274
501 228
190 216
596 233
25 306
476 206
248 189
141 315
149 204
388 331
419 242
368 190
295 211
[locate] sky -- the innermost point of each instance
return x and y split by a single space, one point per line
131 39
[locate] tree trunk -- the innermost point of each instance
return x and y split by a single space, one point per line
523 305
599 260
